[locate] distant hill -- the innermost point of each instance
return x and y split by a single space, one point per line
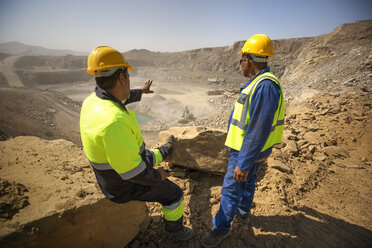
17 48
318 63
308 64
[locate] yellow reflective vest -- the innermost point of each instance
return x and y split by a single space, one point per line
241 118
111 137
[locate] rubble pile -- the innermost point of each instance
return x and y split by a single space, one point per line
309 185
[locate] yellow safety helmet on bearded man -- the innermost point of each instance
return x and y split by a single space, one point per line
103 61
258 44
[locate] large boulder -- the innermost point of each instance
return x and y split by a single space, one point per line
198 148
49 198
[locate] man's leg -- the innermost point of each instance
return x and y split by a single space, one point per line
165 192
150 188
248 192
170 196
231 195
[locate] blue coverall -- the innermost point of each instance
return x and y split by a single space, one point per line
238 196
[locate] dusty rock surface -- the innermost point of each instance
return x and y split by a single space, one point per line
315 189
198 148
203 79
46 114
49 195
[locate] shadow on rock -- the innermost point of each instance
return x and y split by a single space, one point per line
206 196
307 228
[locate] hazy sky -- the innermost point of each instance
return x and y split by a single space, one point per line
169 25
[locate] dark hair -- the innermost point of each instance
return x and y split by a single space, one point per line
259 65
109 82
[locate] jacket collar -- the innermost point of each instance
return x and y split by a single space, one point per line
103 94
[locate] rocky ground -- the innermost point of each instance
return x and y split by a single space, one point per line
315 189
48 195
46 114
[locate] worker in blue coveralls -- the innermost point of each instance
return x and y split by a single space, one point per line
256 124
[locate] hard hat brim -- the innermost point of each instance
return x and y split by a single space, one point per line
94 70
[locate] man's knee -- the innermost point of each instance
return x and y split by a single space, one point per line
175 192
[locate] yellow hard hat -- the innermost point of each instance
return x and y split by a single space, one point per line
259 44
105 60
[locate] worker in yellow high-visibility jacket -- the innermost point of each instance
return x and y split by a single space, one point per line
255 125
113 143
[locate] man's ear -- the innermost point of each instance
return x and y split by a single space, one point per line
122 77
251 63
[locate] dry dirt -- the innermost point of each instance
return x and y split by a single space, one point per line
313 192
49 195
46 114
24 160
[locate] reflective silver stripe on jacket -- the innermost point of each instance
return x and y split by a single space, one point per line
174 205
134 172
126 175
142 148
153 158
244 99
98 166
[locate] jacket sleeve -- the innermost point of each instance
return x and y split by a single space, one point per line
134 96
262 110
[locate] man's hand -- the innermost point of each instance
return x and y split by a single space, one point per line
239 175
146 87
163 174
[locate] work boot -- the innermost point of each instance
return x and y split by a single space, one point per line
184 234
213 238
242 217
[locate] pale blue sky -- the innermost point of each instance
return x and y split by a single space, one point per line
169 25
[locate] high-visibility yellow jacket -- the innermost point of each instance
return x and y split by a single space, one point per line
111 137
114 145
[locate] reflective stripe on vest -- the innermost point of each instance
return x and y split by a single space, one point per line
241 118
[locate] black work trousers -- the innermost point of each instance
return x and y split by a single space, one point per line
146 186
